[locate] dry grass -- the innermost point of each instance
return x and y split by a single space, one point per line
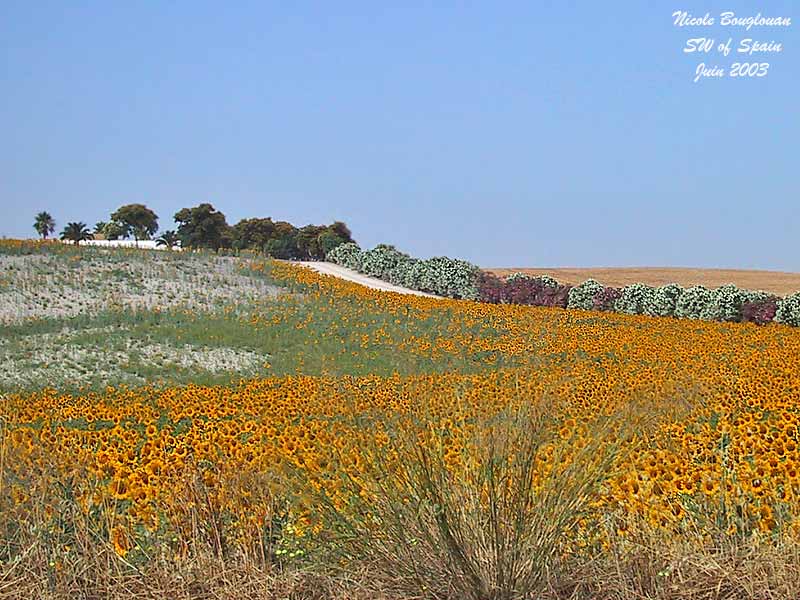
777 282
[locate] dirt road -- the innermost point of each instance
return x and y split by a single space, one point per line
327 268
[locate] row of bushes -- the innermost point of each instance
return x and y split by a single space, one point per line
459 279
726 303
439 275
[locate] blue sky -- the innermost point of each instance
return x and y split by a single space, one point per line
506 133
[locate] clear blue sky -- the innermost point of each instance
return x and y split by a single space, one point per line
507 133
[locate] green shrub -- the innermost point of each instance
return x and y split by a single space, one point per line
381 260
664 301
694 303
725 304
788 311
347 255
447 277
544 280
440 275
400 274
582 296
635 299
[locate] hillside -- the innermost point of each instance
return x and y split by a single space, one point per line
777 282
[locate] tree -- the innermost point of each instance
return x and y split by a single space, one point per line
328 240
100 228
252 233
169 239
308 241
342 230
76 232
136 219
283 243
44 224
202 226
114 231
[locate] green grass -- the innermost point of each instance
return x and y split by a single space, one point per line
296 333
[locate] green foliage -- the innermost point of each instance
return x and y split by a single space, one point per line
252 233
328 240
168 239
308 247
76 233
347 255
283 240
44 224
635 299
114 231
447 277
283 244
725 304
203 227
439 275
694 303
519 276
401 274
664 301
582 295
544 280
341 230
788 311
136 220
381 261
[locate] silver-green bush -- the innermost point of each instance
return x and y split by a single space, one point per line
664 300
544 280
381 260
694 302
400 274
347 255
582 296
440 275
788 311
725 304
635 299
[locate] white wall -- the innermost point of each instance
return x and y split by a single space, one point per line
145 244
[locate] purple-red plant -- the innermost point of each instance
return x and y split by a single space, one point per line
554 296
605 299
522 290
491 288
760 312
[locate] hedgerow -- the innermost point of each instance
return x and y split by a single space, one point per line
788 310
347 255
459 279
694 302
634 299
440 275
582 296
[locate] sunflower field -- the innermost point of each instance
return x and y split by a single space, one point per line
396 446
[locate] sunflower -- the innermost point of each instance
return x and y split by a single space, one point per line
119 488
120 540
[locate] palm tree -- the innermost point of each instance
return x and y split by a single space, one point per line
44 224
76 232
169 239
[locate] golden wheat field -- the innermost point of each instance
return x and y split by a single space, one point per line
659 429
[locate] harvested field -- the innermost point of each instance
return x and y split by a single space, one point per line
777 282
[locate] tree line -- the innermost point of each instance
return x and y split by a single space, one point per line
203 226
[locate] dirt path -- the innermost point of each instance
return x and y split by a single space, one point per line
327 268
